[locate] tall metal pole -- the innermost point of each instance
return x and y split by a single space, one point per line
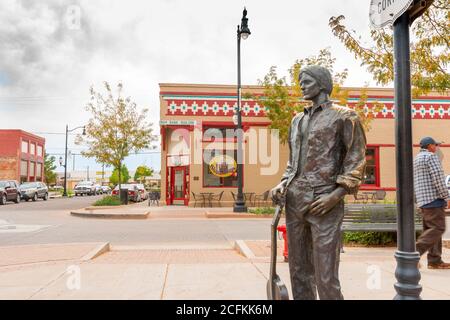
239 205
65 164
407 273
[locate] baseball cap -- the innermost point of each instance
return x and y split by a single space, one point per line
427 141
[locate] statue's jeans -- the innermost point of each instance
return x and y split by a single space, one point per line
313 244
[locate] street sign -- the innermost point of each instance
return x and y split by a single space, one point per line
178 123
385 12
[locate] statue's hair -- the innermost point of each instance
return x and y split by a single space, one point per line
321 74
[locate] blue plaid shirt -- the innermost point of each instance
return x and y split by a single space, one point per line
429 179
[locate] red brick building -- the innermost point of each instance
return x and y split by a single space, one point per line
21 156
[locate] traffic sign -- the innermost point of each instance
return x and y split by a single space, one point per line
385 12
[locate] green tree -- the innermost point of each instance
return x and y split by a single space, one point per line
283 99
116 128
430 53
122 175
142 172
49 169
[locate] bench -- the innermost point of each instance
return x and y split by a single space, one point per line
373 218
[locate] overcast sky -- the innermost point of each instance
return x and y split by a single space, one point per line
49 59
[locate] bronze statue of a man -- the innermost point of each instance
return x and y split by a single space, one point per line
327 147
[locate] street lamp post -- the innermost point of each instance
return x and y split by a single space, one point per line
65 156
407 273
242 32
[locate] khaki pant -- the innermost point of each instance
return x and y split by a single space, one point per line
313 244
431 238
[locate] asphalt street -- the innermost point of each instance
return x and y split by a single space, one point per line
58 226
45 222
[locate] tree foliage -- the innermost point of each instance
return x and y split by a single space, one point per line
124 176
430 53
283 99
142 172
49 169
116 128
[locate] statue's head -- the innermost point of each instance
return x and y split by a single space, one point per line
314 80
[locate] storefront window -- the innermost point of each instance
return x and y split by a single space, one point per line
24 146
39 171
219 168
32 165
24 168
218 133
370 176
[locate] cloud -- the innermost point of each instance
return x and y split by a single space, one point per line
50 56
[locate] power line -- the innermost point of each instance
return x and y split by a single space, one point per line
60 133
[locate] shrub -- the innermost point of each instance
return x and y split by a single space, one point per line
371 238
264 210
70 192
108 201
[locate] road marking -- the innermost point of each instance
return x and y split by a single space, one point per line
21 228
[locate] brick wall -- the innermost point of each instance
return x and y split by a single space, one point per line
8 168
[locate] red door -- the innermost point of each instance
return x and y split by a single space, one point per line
178 186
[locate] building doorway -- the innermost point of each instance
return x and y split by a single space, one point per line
178 185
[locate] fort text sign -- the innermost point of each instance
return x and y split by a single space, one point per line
385 12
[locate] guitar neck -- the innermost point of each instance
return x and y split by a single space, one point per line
274 244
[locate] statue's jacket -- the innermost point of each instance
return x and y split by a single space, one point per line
336 149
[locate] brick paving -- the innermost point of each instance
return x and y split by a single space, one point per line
189 273
171 256
261 248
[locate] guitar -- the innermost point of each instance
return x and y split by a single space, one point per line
276 289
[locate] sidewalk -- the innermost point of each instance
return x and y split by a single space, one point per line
182 272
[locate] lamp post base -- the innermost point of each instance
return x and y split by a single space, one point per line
239 207
408 276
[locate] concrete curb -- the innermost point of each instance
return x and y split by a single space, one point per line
96 252
241 247
109 215
232 215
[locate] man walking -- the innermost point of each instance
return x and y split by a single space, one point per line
327 160
431 195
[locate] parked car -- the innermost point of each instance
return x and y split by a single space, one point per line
106 189
9 191
33 191
133 192
144 193
84 187
98 189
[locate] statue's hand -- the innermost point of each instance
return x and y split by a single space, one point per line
323 204
277 192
